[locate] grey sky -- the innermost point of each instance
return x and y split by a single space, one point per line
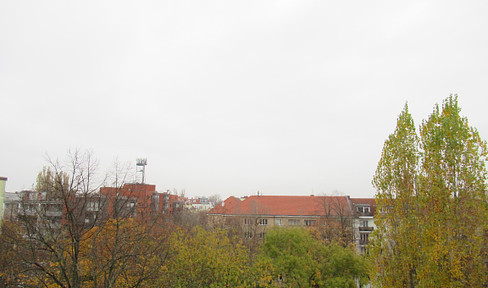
232 97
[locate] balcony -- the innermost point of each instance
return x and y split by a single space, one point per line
30 212
363 242
27 212
366 229
54 213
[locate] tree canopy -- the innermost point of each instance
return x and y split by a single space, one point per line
300 260
431 194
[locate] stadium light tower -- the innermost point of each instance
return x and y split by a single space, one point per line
141 165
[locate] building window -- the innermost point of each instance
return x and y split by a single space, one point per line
263 221
92 206
364 237
363 209
364 223
278 222
261 235
247 235
247 221
309 222
294 222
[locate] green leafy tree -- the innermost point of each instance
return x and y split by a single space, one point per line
452 198
202 258
431 225
300 260
396 238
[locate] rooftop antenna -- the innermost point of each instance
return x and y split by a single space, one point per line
141 167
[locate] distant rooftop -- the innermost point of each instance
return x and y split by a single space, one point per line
12 196
285 205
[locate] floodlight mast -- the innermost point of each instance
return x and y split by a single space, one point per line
141 162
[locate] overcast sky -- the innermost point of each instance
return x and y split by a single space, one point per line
232 97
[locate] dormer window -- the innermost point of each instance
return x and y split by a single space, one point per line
363 209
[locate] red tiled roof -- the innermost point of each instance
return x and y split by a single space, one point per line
369 201
365 201
226 206
285 205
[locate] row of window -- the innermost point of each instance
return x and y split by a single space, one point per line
249 235
279 222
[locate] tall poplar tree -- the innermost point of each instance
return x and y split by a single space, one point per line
453 200
395 240
432 204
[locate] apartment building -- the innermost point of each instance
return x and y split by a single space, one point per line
198 204
11 206
341 216
364 210
144 201
2 196
139 201
38 209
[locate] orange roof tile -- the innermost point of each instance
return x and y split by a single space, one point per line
286 205
225 206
